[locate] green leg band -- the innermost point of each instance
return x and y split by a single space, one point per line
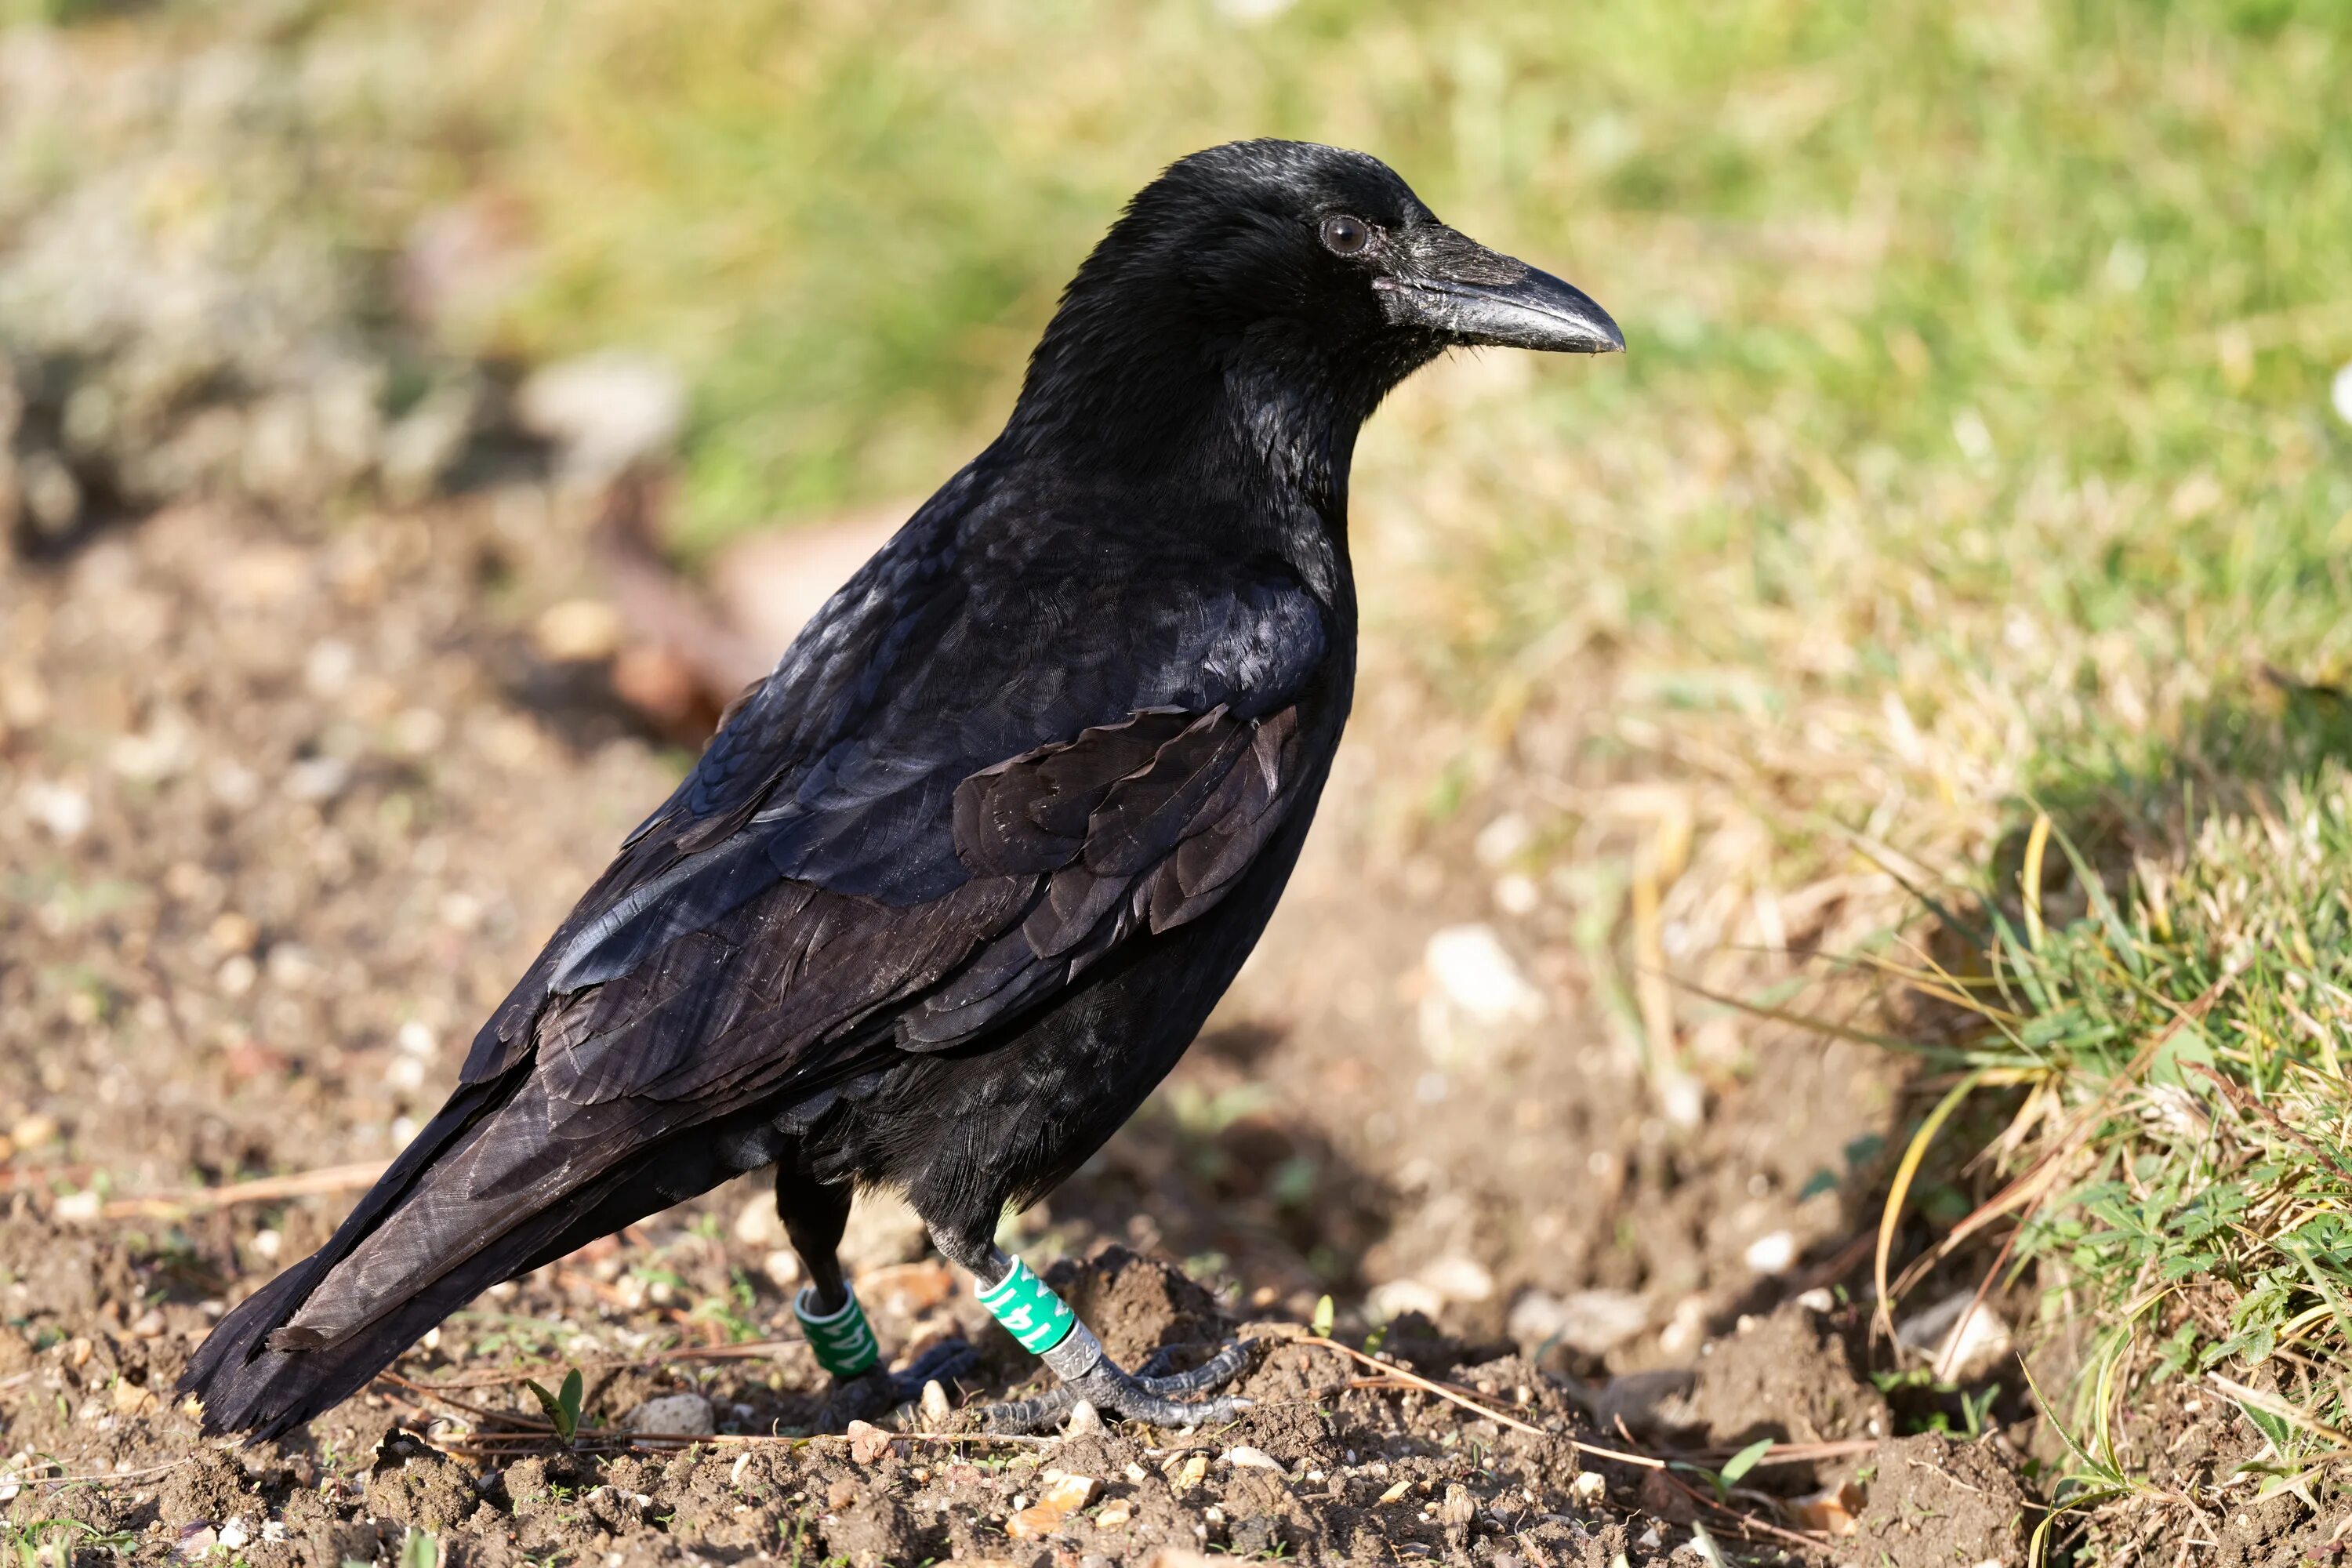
844 1344
1030 1312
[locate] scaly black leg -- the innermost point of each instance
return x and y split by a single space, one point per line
814 1217
1043 1324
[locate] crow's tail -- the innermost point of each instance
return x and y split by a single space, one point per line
420 1245
247 1387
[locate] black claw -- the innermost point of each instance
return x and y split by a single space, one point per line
1016 1415
1206 1378
878 1392
942 1363
1144 1395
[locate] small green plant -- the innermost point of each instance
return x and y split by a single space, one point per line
562 1408
1325 1315
422 1548
52 1542
732 1311
1736 1466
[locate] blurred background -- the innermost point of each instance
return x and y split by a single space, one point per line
1981 456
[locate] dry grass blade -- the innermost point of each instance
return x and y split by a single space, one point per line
496 1377
1882 1319
1429 1385
2031 1189
525 1431
263 1190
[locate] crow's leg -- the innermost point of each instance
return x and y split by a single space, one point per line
1043 1324
814 1217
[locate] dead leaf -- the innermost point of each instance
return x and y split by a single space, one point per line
1189 1474
867 1442
906 1289
1833 1510
1063 1496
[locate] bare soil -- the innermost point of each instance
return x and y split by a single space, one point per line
289 802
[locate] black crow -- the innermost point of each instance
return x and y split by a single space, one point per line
953 888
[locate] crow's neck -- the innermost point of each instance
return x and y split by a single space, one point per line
1219 419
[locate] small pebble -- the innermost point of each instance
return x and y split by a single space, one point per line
690 1414
1772 1253
1085 1420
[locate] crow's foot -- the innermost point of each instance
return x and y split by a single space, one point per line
877 1391
1149 1394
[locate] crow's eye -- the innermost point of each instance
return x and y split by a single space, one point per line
1345 235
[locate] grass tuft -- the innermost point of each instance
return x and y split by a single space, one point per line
2176 1163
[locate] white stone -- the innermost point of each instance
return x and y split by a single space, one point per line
1593 1322
62 809
1686 1328
1395 1297
1515 893
756 1223
689 1414
1470 969
1244 1457
2340 394
1249 13
1502 840
605 410
1459 1279
1961 1344
1772 1252
1474 999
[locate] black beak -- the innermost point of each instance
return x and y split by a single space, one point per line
1449 285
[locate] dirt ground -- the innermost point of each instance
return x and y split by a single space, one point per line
289 802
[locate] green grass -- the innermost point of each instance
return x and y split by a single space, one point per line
2174 1058
55 1542
1860 225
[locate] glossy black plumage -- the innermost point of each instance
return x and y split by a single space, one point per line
954 887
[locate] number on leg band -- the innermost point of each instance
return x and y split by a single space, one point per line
844 1344
1029 1309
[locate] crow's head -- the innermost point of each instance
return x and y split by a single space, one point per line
1304 274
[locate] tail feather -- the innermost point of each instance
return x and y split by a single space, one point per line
253 1377
231 1372
247 1387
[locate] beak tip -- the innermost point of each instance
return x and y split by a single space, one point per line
1532 311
